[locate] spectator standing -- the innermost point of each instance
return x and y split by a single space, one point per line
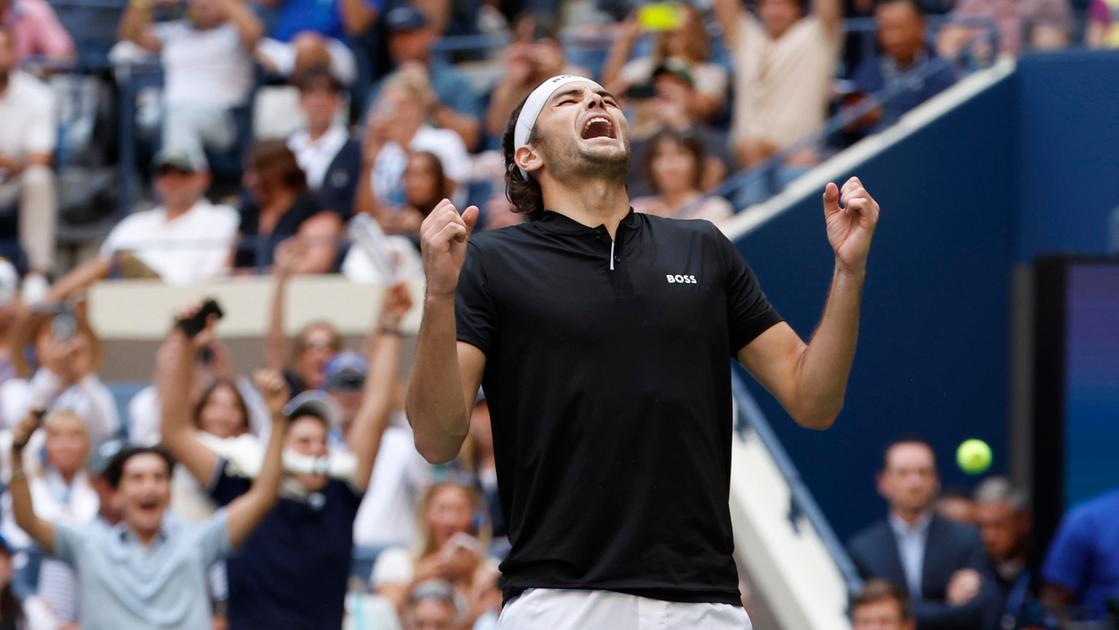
396 126
11 609
448 547
66 355
451 102
938 562
687 46
880 606
674 165
1081 570
313 34
784 62
60 488
281 206
1020 24
1002 514
901 33
1103 24
148 572
28 203
184 240
207 66
293 571
315 345
35 30
329 157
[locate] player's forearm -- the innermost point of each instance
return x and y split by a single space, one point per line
434 400
825 365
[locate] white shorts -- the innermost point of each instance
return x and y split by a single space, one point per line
558 609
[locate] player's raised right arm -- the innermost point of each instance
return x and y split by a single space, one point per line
446 373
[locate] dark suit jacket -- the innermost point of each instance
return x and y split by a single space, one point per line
949 547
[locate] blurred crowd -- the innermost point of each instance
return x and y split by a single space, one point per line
281 138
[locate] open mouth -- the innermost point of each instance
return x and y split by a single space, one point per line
598 127
148 505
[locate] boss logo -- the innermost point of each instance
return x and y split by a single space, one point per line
679 279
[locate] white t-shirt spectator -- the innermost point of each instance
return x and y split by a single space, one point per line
393 159
27 125
192 248
387 516
88 398
315 156
208 67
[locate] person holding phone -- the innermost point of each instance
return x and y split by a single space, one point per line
148 571
602 339
293 571
64 356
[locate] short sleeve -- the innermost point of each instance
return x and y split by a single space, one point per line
475 315
213 538
749 312
1068 558
68 543
225 488
393 566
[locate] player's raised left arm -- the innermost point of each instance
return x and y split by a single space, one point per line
810 380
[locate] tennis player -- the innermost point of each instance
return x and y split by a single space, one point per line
601 337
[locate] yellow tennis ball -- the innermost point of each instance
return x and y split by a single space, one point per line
973 456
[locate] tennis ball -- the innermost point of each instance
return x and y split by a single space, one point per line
973 456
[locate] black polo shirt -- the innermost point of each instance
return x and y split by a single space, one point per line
609 393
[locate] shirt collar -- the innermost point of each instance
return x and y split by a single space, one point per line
901 528
559 223
125 535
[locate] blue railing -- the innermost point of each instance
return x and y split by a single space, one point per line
801 503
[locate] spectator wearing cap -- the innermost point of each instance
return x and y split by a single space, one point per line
535 55
149 572
61 490
11 609
36 31
1002 514
665 108
431 605
901 32
314 34
207 67
395 128
293 571
687 45
9 313
451 545
28 204
328 155
184 240
784 62
315 344
449 100
281 207
56 355
880 606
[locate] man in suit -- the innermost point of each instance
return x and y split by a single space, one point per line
937 562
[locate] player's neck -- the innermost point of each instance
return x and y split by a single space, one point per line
592 202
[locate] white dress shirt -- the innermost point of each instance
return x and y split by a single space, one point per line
911 541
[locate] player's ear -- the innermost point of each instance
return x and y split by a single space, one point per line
528 159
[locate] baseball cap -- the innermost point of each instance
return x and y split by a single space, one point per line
405 18
317 404
676 68
347 370
9 282
103 453
180 159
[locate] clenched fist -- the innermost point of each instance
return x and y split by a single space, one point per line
443 238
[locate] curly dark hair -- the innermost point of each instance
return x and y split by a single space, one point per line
114 472
525 195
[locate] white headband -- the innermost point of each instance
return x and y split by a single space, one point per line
534 104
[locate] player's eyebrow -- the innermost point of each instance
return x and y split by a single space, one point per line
567 92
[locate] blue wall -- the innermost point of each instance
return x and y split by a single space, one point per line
1028 166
